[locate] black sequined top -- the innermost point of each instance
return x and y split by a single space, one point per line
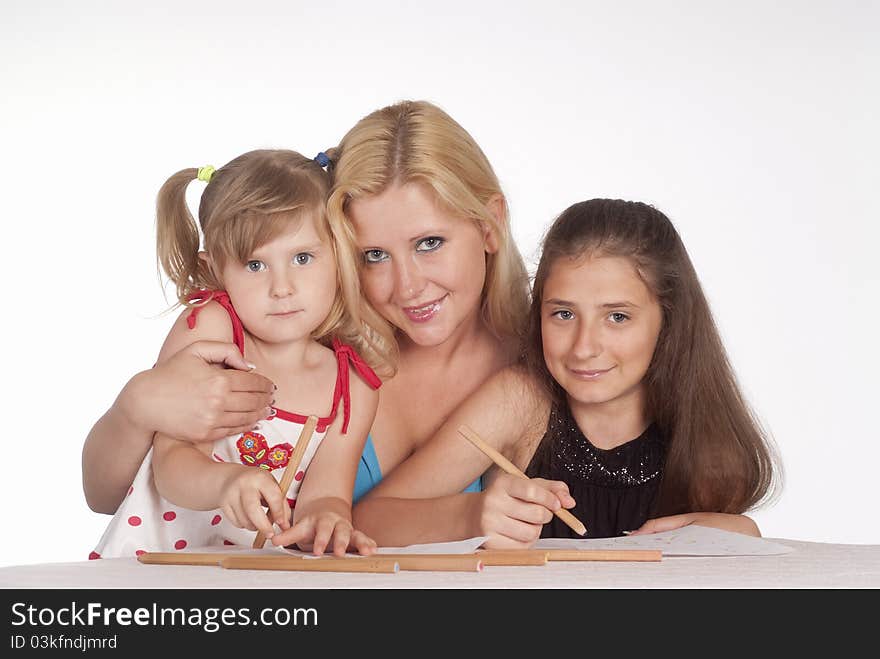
614 489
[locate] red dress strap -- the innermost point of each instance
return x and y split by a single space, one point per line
221 298
344 355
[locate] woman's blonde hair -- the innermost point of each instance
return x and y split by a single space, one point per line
415 141
247 203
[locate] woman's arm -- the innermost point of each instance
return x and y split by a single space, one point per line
188 394
421 500
322 515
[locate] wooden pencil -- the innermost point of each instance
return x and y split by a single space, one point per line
298 564
570 520
604 554
513 556
181 558
292 465
436 562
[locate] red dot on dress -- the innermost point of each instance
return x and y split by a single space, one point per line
134 520
299 475
93 555
216 520
291 502
139 552
180 544
170 516
226 542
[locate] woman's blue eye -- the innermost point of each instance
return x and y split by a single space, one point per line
303 258
375 256
429 244
255 266
618 317
563 314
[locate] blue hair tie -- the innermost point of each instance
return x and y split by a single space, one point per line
322 159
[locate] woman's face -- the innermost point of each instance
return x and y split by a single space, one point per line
424 267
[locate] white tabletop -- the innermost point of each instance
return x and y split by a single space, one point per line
811 565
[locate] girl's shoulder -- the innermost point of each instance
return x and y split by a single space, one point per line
208 322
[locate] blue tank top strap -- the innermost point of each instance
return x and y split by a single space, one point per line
369 473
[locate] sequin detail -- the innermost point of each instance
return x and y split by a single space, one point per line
632 464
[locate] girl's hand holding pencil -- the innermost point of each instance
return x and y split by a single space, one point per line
512 511
242 497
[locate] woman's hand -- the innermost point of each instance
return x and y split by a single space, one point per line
317 531
724 521
188 397
242 494
511 510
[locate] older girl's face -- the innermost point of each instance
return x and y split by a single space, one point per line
424 268
600 325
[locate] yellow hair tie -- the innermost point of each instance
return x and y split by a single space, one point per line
205 173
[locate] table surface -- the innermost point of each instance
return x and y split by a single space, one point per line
811 565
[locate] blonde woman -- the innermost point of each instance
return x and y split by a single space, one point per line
438 263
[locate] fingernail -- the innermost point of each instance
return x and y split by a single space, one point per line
627 532
251 366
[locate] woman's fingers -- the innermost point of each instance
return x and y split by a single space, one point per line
246 403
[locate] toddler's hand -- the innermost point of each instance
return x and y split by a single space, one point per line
243 493
318 531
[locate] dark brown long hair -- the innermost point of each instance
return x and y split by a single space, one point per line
718 458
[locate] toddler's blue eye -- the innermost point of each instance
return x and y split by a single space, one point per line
303 258
255 266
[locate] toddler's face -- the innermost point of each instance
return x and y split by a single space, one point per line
599 324
424 267
285 289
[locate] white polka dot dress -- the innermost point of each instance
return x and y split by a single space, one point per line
147 522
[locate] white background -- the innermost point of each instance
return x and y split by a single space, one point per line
754 127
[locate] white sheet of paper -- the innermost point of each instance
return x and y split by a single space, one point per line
691 540
468 546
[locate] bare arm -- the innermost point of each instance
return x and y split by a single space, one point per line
421 500
322 516
188 394
724 521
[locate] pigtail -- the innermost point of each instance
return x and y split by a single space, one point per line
177 237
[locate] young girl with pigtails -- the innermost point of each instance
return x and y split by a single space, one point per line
278 279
